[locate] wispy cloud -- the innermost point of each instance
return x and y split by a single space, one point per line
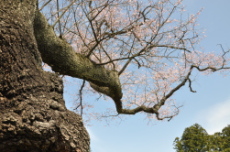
216 117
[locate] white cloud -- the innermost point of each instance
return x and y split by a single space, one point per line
216 117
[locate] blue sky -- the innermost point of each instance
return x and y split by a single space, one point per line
209 106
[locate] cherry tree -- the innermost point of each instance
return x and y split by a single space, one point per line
138 53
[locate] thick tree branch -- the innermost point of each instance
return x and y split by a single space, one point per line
61 57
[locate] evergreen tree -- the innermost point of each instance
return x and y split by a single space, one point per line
196 139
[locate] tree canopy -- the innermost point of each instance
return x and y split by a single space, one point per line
138 53
196 139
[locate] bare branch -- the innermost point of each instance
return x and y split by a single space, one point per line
59 22
173 47
81 98
45 5
64 11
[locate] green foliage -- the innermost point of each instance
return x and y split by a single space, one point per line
215 142
226 136
196 139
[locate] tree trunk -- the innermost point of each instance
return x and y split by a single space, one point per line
32 110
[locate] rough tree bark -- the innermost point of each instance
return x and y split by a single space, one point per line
32 110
